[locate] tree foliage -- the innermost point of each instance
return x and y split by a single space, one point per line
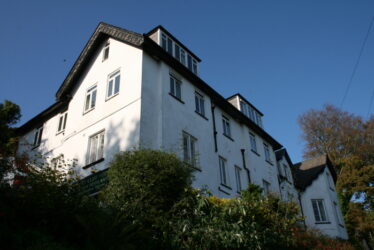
348 140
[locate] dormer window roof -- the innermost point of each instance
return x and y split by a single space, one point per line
175 48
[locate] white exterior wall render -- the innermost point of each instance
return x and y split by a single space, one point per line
118 116
320 189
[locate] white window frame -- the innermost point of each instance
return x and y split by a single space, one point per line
194 66
189 145
199 104
106 51
266 187
223 171
175 87
319 211
183 56
253 142
62 122
113 85
38 137
238 178
164 43
90 98
226 126
267 153
95 150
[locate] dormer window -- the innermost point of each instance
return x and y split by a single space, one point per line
179 52
251 113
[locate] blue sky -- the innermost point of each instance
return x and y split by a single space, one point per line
286 57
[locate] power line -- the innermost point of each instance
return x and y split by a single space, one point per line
357 63
370 104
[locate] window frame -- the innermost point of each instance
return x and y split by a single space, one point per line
91 91
62 122
175 84
318 216
223 171
37 137
267 153
266 187
99 148
106 50
226 126
113 77
189 149
253 142
199 104
238 178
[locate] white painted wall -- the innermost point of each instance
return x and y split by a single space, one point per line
287 189
320 189
119 116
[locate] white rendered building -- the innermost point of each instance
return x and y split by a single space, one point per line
129 90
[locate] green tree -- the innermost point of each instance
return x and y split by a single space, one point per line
348 140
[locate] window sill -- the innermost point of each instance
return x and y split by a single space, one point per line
35 147
201 115
176 98
223 191
255 152
325 222
341 225
88 110
93 163
332 189
110 97
269 162
60 132
224 185
228 137
194 167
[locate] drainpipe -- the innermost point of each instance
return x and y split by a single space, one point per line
214 130
245 166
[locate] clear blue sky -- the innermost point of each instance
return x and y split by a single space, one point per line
285 56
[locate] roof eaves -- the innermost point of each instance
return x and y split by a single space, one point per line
102 32
242 97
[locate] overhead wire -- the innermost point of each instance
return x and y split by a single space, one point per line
357 63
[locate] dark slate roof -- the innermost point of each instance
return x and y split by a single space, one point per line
104 31
307 171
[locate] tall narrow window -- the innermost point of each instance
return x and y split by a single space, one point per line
189 149
189 62
106 51
170 46
175 87
266 187
38 136
199 104
183 57
90 102
163 41
238 178
95 147
267 153
226 126
319 210
338 214
194 66
177 51
114 81
258 119
62 122
223 171
252 140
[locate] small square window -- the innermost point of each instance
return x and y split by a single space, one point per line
95 147
175 87
90 102
38 137
226 126
199 104
106 52
62 122
114 82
